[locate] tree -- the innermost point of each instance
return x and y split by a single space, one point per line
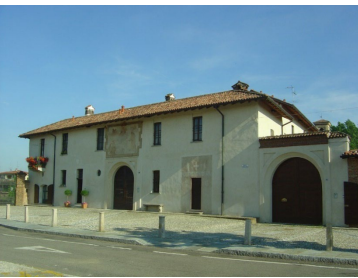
351 129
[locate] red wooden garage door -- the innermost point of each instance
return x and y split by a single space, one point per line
297 193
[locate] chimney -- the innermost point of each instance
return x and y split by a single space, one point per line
169 97
240 86
121 111
323 125
89 110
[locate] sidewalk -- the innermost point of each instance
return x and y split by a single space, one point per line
17 270
192 232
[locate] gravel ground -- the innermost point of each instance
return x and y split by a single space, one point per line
191 227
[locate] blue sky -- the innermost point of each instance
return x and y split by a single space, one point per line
55 60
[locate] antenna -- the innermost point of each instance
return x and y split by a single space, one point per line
293 93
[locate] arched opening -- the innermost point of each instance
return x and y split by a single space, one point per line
297 193
123 189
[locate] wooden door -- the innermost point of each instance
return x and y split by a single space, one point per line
50 194
37 194
196 193
123 189
79 185
297 193
351 203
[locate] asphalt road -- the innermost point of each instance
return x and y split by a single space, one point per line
83 257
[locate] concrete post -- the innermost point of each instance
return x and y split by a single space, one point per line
247 232
8 211
101 222
162 226
329 237
26 214
54 217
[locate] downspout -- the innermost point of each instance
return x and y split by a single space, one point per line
54 168
222 159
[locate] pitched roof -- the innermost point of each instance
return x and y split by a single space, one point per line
14 172
328 134
351 153
177 105
322 121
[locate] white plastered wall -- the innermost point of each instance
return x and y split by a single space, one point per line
81 154
268 122
177 147
45 177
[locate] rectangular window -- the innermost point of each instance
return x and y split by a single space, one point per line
197 128
64 143
156 180
157 134
42 150
63 177
100 139
293 129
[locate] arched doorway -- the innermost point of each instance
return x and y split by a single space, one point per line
297 193
123 189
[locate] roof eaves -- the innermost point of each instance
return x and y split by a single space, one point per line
175 110
298 114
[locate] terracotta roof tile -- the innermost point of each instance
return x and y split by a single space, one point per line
328 134
177 105
351 153
14 172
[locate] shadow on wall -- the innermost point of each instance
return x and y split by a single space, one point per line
221 240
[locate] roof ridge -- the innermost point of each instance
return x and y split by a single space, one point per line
158 108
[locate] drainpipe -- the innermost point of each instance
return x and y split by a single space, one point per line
222 158
54 168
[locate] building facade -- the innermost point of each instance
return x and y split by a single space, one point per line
227 153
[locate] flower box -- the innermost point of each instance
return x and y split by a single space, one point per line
37 164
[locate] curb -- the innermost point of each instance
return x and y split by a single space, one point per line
282 256
120 240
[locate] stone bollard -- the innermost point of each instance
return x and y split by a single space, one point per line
329 237
162 226
247 232
54 218
26 214
8 211
101 222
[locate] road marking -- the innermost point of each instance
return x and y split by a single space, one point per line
43 249
266 262
178 254
122 248
47 239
